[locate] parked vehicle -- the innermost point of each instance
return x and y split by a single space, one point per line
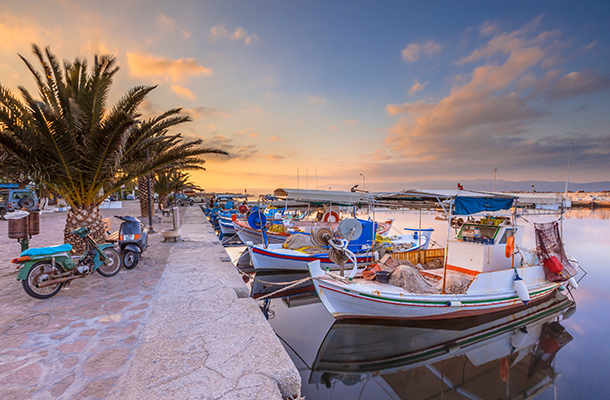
16 199
44 270
181 199
133 240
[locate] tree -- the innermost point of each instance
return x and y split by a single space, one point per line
170 182
80 148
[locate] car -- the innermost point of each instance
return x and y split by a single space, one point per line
16 199
181 199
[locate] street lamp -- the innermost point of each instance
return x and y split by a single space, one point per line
495 170
363 182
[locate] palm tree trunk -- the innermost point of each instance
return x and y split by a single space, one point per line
78 218
143 196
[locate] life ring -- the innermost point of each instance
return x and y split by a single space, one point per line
330 214
243 209
510 247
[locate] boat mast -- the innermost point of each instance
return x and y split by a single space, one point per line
447 246
565 193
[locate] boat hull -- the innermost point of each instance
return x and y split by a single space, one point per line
371 300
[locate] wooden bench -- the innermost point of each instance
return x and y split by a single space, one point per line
110 236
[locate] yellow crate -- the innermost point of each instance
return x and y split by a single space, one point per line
419 256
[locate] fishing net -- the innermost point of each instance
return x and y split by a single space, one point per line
549 246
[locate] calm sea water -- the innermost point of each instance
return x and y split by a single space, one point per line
564 360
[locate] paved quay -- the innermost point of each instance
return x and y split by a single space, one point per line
179 326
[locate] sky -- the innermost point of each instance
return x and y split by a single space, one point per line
330 94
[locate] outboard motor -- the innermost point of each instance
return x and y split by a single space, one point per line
133 240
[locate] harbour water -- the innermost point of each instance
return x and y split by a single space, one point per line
563 355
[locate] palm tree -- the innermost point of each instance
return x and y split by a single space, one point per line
80 148
170 182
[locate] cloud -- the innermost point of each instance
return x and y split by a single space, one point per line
183 92
275 139
249 131
351 122
315 99
251 109
18 34
590 46
236 152
202 111
487 114
413 51
186 34
275 157
165 22
174 71
417 87
334 128
576 84
219 33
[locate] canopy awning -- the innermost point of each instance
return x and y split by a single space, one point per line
324 196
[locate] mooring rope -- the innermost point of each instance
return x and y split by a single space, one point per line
267 282
285 288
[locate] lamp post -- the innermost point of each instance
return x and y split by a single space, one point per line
150 200
495 170
363 182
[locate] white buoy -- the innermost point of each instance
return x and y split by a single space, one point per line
519 338
572 282
521 289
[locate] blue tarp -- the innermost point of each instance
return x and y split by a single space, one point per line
472 205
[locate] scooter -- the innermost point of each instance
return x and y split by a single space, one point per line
44 270
133 240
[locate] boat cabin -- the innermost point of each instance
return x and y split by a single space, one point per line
479 246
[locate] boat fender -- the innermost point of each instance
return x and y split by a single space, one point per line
332 214
452 347
510 247
521 289
454 303
519 337
572 282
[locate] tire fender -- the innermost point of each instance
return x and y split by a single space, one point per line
24 269
131 247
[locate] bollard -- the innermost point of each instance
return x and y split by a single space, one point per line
176 218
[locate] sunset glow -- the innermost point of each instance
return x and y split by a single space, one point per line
325 94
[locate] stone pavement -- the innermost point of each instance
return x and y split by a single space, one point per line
180 325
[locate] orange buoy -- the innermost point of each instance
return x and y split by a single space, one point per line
332 214
510 247
504 369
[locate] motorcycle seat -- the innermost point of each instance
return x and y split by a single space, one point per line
44 251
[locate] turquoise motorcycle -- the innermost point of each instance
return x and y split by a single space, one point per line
44 270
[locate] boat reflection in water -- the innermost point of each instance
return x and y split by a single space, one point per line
509 356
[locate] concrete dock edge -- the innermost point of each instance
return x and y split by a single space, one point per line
205 337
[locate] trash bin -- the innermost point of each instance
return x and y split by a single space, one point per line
34 223
18 228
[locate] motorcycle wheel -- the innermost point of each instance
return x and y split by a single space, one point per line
113 265
130 259
39 273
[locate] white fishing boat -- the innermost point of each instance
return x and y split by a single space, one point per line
275 257
510 356
485 268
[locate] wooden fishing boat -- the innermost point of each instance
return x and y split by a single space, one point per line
482 273
470 359
275 257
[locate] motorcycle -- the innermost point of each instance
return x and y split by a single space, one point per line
133 240
44 270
